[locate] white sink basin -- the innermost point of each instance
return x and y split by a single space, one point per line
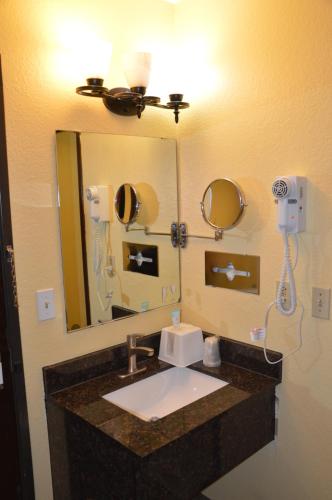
163 393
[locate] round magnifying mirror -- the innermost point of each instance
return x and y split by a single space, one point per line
223 204
127 204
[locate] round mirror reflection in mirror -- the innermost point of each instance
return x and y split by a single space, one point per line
223 204
127 204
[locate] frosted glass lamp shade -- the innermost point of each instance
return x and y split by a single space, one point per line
137 67
97 59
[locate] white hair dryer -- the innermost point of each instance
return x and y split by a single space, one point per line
289 193
98 196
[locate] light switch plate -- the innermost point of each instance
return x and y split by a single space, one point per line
321 302
45 304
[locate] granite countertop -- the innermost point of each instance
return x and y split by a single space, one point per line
143 438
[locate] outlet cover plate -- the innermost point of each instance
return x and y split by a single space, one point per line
321 298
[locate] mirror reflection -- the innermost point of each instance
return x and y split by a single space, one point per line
107 182
223 204
127 204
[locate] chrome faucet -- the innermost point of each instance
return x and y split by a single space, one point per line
133 350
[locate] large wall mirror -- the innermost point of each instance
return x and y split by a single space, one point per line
112 268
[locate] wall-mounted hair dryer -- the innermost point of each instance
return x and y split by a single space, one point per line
290 196
289 193
98 196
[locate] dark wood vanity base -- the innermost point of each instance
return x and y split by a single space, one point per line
101 452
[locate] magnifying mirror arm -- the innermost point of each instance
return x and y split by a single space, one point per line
129 229
177 233
218 235
146 231
151 233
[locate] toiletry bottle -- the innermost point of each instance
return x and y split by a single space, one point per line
176 317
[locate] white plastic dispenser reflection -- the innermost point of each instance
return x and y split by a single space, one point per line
181 345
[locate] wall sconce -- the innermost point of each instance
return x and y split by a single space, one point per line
132 101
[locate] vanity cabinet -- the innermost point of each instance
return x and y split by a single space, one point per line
101 452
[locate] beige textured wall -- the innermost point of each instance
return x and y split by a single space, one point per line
267 113
40 98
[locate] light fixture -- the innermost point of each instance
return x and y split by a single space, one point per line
132 101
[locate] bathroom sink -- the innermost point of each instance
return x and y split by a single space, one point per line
159 395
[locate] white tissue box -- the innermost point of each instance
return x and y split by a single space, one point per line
181 345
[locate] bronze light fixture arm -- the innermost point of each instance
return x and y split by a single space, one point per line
129 102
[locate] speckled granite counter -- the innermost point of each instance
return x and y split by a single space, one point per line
99 451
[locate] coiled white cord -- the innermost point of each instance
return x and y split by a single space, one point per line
299 332
97 255
287 270
101 242
296 245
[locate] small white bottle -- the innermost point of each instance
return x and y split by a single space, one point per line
176 315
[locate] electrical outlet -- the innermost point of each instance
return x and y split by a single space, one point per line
285 297
110 267
321 302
